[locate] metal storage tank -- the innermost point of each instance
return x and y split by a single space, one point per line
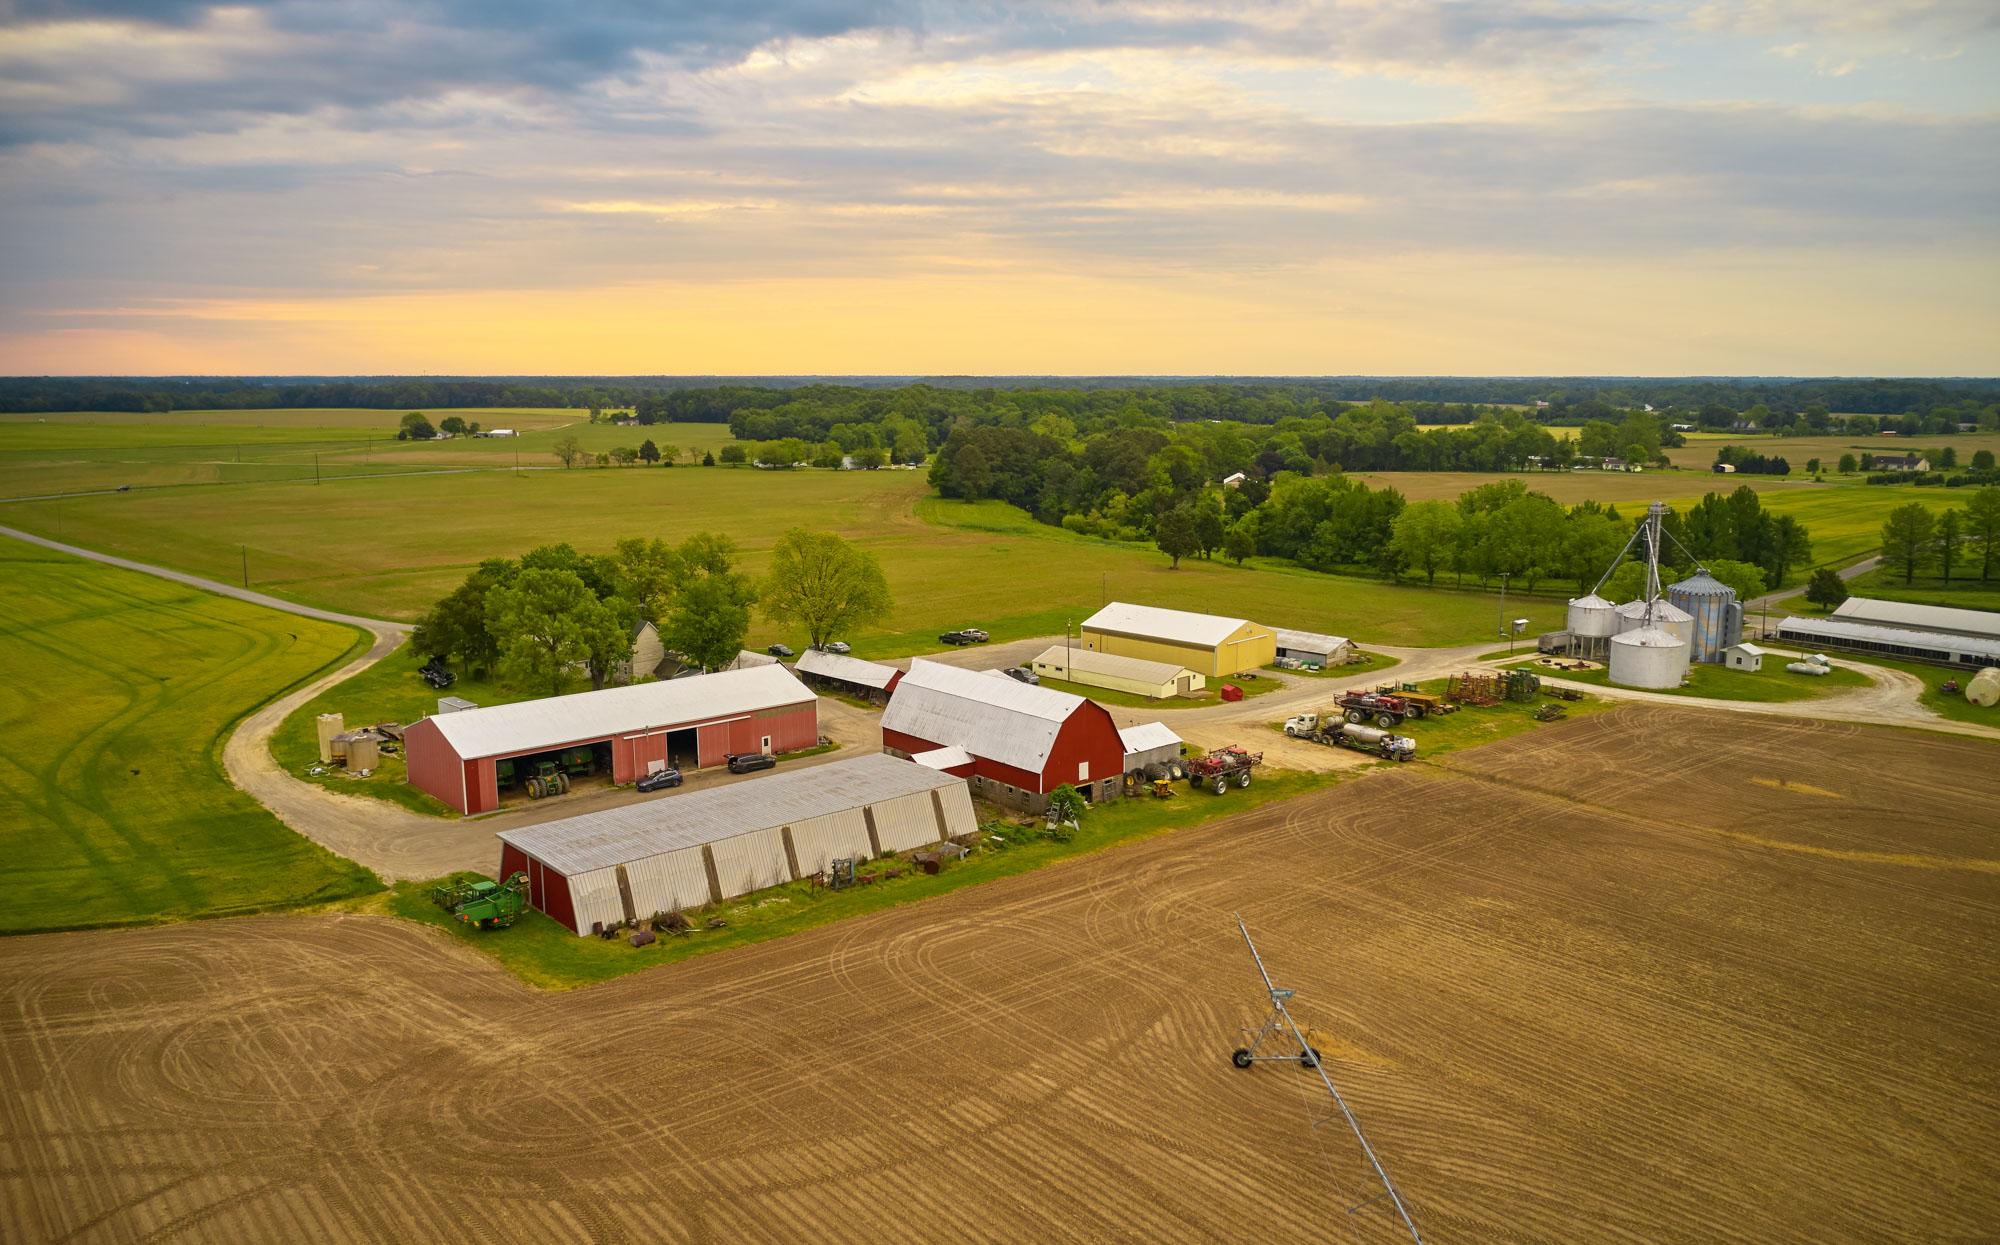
330 724
1667 616
1718 620
1984 689
365 753
1592 616
1648 657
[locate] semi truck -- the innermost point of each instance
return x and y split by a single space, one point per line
1330 729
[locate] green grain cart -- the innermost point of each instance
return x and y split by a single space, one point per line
483 904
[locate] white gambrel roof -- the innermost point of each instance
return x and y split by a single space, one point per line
1147 736
1310 641
1835 630
1920 617
556 720
1092 661
618 836
999 719
846 669
1153 623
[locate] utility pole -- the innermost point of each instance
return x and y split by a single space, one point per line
246 565
1504 629
315 466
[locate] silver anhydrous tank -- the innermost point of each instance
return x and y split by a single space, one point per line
1592 616
1648 657
1716 625
1667 616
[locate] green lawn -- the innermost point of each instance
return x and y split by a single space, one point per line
114 809
545 954
1369 661
1771 685
1952 706
1252 688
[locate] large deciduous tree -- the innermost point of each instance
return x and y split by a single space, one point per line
1982 524
569 451
456 626
1425 535
824 584
1826 589
1907 536
1176 534
708 621
547 624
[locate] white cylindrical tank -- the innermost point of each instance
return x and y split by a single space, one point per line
1648 657
1592 616
1985 687
330 724
1667 616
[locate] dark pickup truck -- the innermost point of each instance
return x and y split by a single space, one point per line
751 762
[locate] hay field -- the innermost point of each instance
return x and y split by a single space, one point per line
113 805
1748 1000
1701 446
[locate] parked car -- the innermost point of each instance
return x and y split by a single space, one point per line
124 488
660 780
973 635
1021 674
835 646
779 650
750 762
956 637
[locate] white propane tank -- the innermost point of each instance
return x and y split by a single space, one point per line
1984 689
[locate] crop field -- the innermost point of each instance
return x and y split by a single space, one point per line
393 545
1701 446
1745 1000
113 805
1626 489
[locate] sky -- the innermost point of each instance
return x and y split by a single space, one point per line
1775 187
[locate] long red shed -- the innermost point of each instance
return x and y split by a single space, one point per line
1024 741
691 723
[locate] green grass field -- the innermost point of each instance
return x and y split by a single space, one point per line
114 809
545 954
1771 685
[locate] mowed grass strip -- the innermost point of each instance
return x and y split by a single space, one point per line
114 809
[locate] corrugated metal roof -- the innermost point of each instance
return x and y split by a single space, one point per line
745 659
1094 662
618 836
1311 641
846 669
943 758
1663 611
1920 617
1147 736
1152 622
1835 630
1702 584
999 719
532 724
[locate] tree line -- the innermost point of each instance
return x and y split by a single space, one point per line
555 614
1916 537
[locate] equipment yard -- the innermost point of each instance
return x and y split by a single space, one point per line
1624 977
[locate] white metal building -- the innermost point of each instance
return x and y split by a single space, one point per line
1157 679
1313 650
1984 624
1148 744
852 675
1859 637
683 851
1744 656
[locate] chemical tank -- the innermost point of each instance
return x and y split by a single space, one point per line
1667 616
1592 616
1718 618
1984 689
1648 657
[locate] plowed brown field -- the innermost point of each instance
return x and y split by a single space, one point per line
1648 976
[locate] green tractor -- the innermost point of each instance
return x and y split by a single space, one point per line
483 904
547 779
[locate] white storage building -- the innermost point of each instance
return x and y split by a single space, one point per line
1313 650
1148 744
683 851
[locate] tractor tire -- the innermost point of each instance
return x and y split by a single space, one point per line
1243 779
534 788
1356 716
1221 784
1416 711
1385 721
1240 1057
562 784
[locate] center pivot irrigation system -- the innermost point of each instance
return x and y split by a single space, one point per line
1279 1023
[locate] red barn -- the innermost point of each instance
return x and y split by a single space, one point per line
691 723
1023 741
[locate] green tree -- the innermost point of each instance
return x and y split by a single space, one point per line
648 452
1947 458
1812 466
707 459
1788 546
456 626
1982 460
1847 464
1746 578
1425 534
708 621
624 455
548 624
1826 588
1175 535
824 584
1065 810
734 452
569 451
646 573
1950 538
1240 542
1982 527
453 425
670 453
1907 537
415 428
1208 527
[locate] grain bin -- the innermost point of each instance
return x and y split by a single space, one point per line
1592 616
1648 657
1985 687
1667 616
364 753
1718 617
329 724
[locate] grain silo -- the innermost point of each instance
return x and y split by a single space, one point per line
1665 615
1592 621
1648 657
1717 616
329 725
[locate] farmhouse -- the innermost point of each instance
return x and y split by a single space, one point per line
1023 742
1313 650
1136 675
1204 643
626 864
690 723
1902 462
849 675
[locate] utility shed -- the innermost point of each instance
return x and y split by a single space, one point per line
1148 745
691 723
1024 741
850 675
1205 643
683 851
1313 650
1744 656
1136 675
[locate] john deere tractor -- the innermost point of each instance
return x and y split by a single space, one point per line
547 779
483 904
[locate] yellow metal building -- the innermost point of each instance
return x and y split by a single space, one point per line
1204 643
1157 679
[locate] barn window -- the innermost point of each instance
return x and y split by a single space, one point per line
1083 771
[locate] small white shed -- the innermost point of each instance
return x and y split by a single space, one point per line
1744 656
